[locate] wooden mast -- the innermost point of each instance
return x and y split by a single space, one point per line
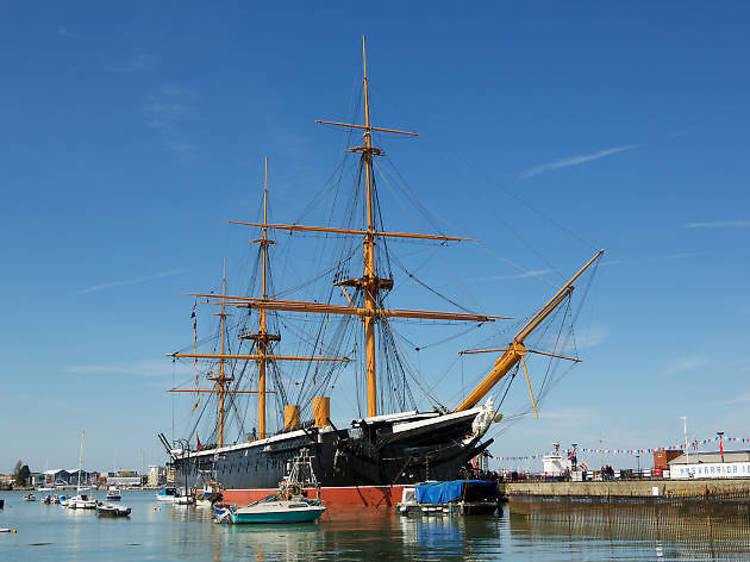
369 281
261 342
516 351
222 380
370 284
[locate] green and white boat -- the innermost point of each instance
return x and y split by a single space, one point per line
274 509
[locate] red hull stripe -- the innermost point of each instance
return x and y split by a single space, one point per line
356 496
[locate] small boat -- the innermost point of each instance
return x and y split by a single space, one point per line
111 510
47 500
273 509
29 498
453 497
167 494
204 499
113 494
81 501
209 495
174 495
184 500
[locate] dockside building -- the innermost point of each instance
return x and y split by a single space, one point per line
730 464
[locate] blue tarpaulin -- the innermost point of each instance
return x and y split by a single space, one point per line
451 490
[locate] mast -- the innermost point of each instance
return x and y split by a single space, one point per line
369 280
370 284
261 342
222 380
262 337
517 350
80 465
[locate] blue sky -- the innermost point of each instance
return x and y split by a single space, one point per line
132 133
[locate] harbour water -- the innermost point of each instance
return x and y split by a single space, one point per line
524 531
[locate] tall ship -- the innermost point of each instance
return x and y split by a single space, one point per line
264 369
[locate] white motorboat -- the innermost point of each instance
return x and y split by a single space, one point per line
184 500
81 501
113 494
174 495
273 509
111 510
167 494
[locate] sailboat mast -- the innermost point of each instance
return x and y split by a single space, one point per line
80 464
262 341
370 282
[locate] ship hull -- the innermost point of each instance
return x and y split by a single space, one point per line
337 496
365 465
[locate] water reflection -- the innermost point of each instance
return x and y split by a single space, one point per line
668 530
526 530
436 537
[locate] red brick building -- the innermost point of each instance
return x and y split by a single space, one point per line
662 458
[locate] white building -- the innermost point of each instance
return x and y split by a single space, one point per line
556 464
157 475
735 464
124 481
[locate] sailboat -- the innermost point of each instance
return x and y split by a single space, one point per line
369 462
80 501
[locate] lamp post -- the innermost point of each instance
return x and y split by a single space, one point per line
638 460
575 458
721 444
684 432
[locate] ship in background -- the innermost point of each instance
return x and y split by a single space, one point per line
368 461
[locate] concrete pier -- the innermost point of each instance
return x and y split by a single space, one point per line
630 489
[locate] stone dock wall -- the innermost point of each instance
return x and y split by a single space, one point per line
630 489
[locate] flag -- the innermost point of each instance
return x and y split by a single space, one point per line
194 316
199 442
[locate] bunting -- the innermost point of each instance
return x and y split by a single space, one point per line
693 445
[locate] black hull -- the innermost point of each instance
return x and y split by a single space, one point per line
410 449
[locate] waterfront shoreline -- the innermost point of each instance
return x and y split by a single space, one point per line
714 490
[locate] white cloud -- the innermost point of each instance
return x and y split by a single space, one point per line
126 282
573 161
684 255
170 110
521 275
568 415
587 338
685 364
169 105
63 31
136 62
718 224
742 398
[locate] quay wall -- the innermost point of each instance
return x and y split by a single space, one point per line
630 489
